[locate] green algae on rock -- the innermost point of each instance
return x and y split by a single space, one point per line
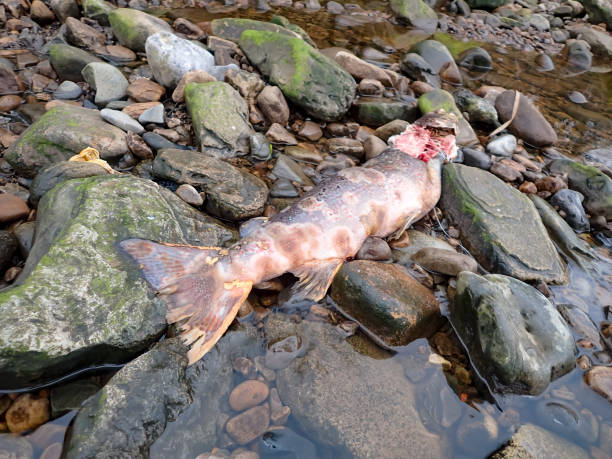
515 337
79 301
378 112
133 27
232 28
220 118
61 133
499 225
68 61
97 10
415 13
307 78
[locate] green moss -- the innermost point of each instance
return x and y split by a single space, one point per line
454 46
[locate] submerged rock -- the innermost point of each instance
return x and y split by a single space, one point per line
61 133
133 27
231 193
371 410
386 301
79 301
220 118
309 79
515 337
499 225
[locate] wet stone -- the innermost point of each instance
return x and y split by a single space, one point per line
599 379
283 188
152 115
476 158
375 249
12 208
346 146
286 441
121 120
25 237
445 261
570 202
71 396
287 168
260 148
8 246
310 131
249 425
67 90
189 194
248 394
281 353
373 146
27 412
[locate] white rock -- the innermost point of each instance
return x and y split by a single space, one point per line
121 120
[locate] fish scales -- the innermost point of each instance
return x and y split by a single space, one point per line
205 286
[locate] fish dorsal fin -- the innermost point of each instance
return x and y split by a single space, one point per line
315 278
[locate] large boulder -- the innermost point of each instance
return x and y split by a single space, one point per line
79 301
415 13
232 28
309 79
439 99
499 225
171 57
231 193
220 118
61 133
599 11
386 301
590 181
529 124
515 337
133 27
358 405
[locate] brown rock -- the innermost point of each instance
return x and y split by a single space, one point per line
44 68
527 163
119 53
249 425
8 103
450 73
505 172
337 129
375 249
279 135
513 164
390 129
346 146
9 82
12 208
550 184
82 35
27 412
445 261
489 92
41 12
188 28
373 146
138 146
40 82
248 394
599 379
369 87
310 131
135 110
26 60
528 187
273 105
529 124
363 133
361 69
54 103
305 152
195 76
145 90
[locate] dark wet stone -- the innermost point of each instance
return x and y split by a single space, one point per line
79 301
417 68
515 337
386 301
580 323
391 128
60 172
281 353
375 249
231 193
415 13
475 59
595 186
71 396
287 168
68 61
499 225
579 55
476 158
570 202
531 442
283 188
479 110
286 442
25 237
158 142
8 246
260 148
598 11
434 52
350 418
379 112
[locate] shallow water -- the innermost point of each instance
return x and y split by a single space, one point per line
473 422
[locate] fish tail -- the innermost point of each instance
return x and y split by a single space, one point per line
190 281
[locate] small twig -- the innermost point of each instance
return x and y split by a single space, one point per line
517 98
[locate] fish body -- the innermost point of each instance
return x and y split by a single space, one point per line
311 238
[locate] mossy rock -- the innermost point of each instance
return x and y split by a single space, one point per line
376 113
499 225
79 301
415 13
590 181
439 99
232 28
133 27
284 22
68 61
220 118
61 133
486 4
307 78
97 10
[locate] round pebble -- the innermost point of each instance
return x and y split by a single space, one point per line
248 394
189 194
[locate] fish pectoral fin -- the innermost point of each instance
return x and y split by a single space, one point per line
315 278
398 232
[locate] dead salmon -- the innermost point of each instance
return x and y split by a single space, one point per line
205 286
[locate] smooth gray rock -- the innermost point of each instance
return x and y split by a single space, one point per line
231 193
479 110
287 168
475 59
153 115
107 80
68 61
415 13
79 301
170 57
476 158
121 120
133 27
417 68
499 225
16 447
63 132
504 146
67 90
533 442
261 150
384 423
434 52
515 337
570 202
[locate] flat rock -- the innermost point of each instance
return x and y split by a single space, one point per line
145 90
532 442
386 301
445 261
231 193
82 35
249 425
515 337
599 379
499 225
529 124
309 79
133 27
367 428
63 132
107 80
79 301
121 120
248 394
220 118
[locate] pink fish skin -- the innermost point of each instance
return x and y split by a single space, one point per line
205 286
